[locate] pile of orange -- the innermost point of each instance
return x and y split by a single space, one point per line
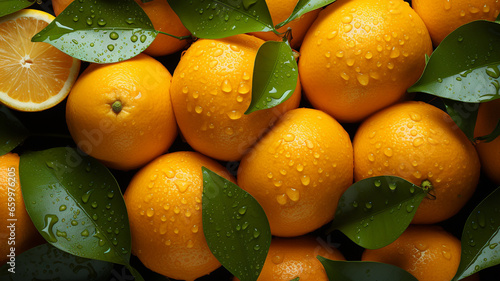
350 118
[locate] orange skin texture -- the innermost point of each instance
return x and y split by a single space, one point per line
280 10
427 252
443 17
360 56
489 152
141 131
164 19
289 258
211 90
298 171
418 142
26 235
164 207
60 5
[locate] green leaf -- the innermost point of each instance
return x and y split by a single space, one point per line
464 114
223 18
10 6
33 265
363 270
76 204
295 279
464 67
100 31
235 226
491 136
12 131
481 237
275 75
304 6
373 212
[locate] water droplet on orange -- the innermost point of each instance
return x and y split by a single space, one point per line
226 86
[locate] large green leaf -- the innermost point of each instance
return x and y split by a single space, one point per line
481 237
304 6
12 131
235 226
375 211
223 18
76 204
11 6
100 31
464 114
465 66
366 270
275 76
45 262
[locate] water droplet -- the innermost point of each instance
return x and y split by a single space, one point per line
289 137
371 157
410 208
256 233
143 38
377 183
85 233
86 196
111 47
293 194
134 38
277 259
363 79
281 199
354 204
388 152
47 232
256 247
242 210
300 167
305 179
369 205
418 142
101 22
493 245
113 36
234 114
226 86
446 255
94 204
62 208
493 71
95 217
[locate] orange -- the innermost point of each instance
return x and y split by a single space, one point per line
166 20
427 252
298 171
34 75
360 56
211 90
443 17
60 5
164 208
420 143
289 258
280 10
24 234
489 152
121 113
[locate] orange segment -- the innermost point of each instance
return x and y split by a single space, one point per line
34 75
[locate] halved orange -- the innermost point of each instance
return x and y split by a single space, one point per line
33 75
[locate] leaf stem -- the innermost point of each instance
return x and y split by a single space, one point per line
176 37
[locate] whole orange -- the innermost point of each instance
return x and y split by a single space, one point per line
166 20
121 113
298 171
443 17
23 235
164 208
289 258
360 56
489 152
427 252
420 143
280 10
211 90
